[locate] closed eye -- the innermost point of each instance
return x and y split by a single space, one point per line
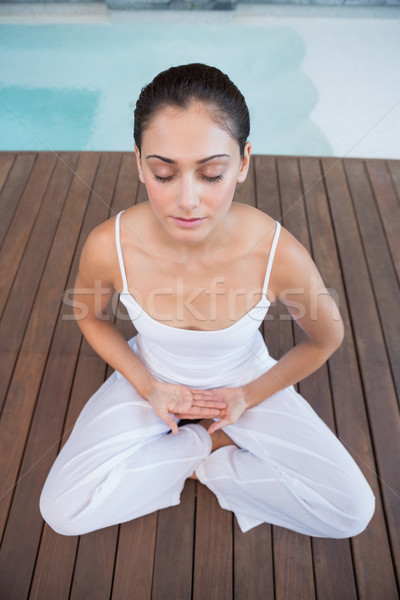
208 179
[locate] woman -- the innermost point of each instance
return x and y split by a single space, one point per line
197 274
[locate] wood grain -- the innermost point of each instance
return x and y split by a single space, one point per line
346 213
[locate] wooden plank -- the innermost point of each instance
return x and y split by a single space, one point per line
382 272
52 572
350 412
268 200
394 170
18 550
94 565
388 204
54 568
292 574
49 415
18 311
266 186
135 559
132 577
22 223
212 574
90 373
253 556
174 548
97 548
20 402
293 565
292 200
127 183
253 567
383 414
334 577
13 188
6 162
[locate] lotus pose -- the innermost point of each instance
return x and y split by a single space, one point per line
196 393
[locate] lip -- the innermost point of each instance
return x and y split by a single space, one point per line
189 222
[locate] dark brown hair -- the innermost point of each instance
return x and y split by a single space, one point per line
179 86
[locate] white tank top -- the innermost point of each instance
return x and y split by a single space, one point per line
225 357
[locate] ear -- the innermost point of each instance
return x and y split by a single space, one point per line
244 166
139 164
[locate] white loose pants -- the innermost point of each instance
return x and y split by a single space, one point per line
122 462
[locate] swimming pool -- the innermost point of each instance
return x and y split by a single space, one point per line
321 85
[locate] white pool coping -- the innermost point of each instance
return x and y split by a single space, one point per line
95 12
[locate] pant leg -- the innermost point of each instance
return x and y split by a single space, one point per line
119 463
290 470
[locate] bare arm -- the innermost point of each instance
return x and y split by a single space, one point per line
94 288
313 309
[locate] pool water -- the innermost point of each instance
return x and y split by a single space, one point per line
74 86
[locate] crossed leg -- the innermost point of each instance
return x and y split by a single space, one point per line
219 439
288 469
119 463
279 463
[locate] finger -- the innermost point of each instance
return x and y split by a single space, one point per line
209 403
206 412
199 414
205 393
208 399
183 416
218 425
211 410
174 427
167 418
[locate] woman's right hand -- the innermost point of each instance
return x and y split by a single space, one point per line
167 398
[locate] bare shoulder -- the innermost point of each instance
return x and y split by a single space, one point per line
99 259
99 254
290 253
293 265
100 241
254 223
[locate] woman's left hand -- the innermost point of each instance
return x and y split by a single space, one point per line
233 397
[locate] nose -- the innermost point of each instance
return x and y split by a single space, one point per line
188 197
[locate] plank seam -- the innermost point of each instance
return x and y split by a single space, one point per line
30 233
379 211
370 274
18 474
24 186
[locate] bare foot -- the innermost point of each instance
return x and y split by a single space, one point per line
219 439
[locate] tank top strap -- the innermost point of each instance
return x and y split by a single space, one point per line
119 251
271 258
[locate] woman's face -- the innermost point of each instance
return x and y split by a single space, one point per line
190 167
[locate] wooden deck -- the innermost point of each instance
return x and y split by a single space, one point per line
347 213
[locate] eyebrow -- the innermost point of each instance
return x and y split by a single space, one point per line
199 162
